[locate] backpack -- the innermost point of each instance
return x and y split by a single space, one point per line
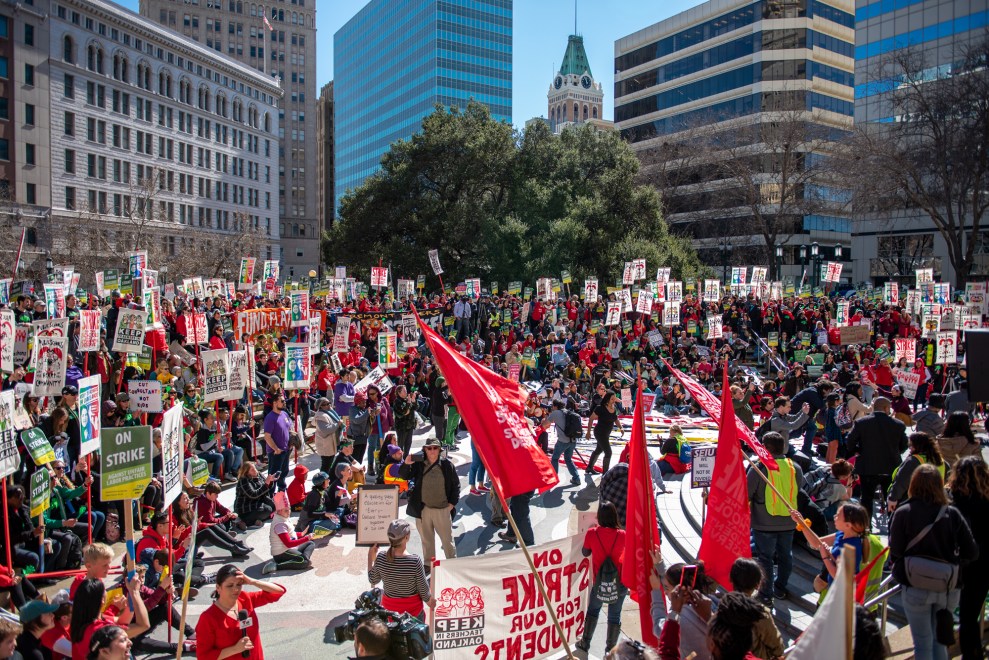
572 425
686 452
764 428
608 585
843 418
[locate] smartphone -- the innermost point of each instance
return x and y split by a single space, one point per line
275 475
418 457
688 576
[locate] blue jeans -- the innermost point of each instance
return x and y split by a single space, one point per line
215 460
809 434
477 472
232 458
565 449
614 609
770 548
373 443
279 463
920 606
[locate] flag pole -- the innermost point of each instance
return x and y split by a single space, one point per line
535 573
848 561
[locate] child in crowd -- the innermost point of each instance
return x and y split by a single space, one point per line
288 549
96 558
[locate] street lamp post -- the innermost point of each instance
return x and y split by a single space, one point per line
779 262
725 256
815 253
164 273
803 262
50 267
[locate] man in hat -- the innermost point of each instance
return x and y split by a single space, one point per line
432 499
69 401
328 427
123 410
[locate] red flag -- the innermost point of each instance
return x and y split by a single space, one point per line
712 407
640 522
726 528
493 409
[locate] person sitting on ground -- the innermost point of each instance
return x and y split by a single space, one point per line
253 503
288 549
182 514
338 500
674 450
957 440
36 617
314 513
391 466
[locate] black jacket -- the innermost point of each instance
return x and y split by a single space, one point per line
949 540
414 474
879 440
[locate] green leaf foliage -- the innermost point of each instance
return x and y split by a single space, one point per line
505 205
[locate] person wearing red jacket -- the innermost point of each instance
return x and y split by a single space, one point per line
219 631
155 537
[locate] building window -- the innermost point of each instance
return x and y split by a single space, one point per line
29 114
29 154
4 108
70 161
4 149
28 34
69 87
4 27
31 193
28 74
4 67
70 198
70 123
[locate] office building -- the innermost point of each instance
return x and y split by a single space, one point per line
324 156
281 44
121 133
397 59
893 245
727 71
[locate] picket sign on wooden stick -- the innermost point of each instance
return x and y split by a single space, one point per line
185 585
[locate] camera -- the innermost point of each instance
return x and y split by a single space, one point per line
409 636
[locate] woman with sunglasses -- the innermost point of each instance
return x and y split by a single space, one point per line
66 511
218 632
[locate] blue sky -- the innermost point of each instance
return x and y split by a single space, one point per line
541 28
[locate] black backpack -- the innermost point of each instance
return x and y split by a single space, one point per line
572 425
764 428
608 585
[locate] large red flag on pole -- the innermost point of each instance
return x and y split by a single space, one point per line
642 535
712 407
493 408
726 527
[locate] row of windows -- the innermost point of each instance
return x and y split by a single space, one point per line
161 54
975 21
874 9
502 18
730 22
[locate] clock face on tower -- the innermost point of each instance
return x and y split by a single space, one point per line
585 81
558 83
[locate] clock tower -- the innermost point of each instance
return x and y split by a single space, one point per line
574 96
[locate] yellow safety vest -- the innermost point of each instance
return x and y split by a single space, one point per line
785 481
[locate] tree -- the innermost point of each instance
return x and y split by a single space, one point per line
934 154
505 205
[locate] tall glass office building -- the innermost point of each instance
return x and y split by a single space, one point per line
396 59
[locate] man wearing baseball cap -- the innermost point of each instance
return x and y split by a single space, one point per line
432 499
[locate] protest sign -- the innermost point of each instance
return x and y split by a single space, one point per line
89 330
41 491
8 332
5 290
51 328
832 271
855 334
239 376
125 462
300 308
171 453
89 414
712 290
378 377
842 313
614 314
21 333
129 334
644 303
591 290
137 262
906 349
379 507
37 445
245 279
410 331
216 373
9 459
628 274
514 370
198 473
947 347
671 315
145 395
388 350
909 381
434 261
663 275
295 376
49 358
379 276
488 604
702 466
315 335
341 335
714 327
54 300
674 291
759 274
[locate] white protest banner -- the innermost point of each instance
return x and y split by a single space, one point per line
89 330
674 291
145 396
379 276
137 262
89 414
909 381
638 269
49 357
9 458
738 274
5 290
931 320
341 335
297 366
171 453
488 606
300 308
712 290
388 350
906 349
628 274
625 296
644 303
378 377
51 328
947 347
971 321
379 507
924 276
913 301
591 290
197 328
315 334
950 317
833 271
714 328
245 280
942 293
129 335
842 313
671 315
410 331
54 300
8 331
405 288
702 466
614 313
434 261
663 275
21 333
215 368
239 374
891 293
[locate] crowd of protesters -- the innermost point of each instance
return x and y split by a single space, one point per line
835 416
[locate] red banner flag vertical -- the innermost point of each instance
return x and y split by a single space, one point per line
641 523
493 408
726 527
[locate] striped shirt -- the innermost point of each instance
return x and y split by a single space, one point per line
402 576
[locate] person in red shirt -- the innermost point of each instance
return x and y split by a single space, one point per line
219 631
604 540
87 617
